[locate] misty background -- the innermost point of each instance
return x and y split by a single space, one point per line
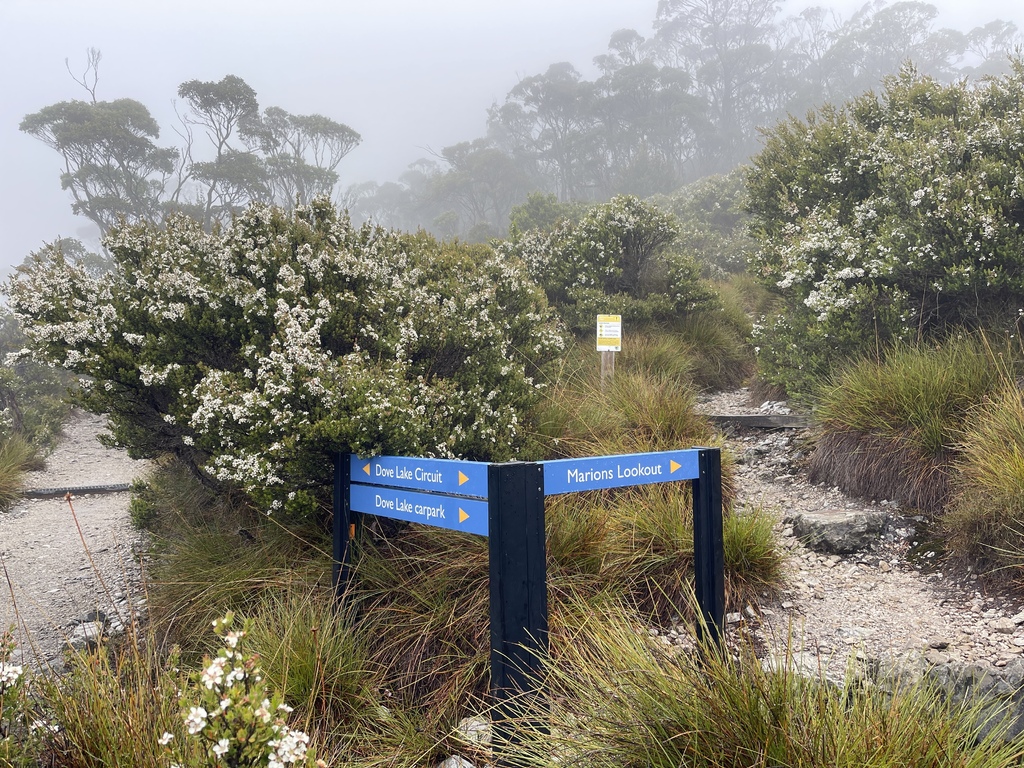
411 78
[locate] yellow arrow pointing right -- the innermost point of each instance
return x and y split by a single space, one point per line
462 478
463 517
673 466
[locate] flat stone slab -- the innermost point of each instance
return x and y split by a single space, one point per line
761 420
838 531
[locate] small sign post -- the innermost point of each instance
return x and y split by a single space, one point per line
609 341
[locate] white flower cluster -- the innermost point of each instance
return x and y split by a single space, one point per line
234 717
10 674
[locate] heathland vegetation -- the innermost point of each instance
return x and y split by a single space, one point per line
867 264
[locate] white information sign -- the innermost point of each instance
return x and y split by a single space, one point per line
609 333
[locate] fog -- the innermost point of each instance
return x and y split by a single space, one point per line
410 76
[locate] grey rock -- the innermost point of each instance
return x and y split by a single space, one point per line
474 730
86 635
1003 626
839 531
457 761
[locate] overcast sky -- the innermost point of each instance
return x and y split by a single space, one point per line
409 75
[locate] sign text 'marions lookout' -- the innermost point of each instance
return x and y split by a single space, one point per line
569 475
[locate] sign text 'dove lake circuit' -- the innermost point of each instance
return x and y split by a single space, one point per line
462 478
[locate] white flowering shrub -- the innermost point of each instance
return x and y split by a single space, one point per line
614 259
229 711
12 683
895 217
255 352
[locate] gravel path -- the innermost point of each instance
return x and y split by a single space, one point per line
49 581
873 605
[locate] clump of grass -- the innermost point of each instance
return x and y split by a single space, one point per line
311 652
985 522
665 355
753 562
16 457
718 346
423 606
617 700
112 705
207 569
889 427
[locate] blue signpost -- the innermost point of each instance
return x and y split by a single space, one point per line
505 502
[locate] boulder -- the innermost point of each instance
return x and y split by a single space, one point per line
838 531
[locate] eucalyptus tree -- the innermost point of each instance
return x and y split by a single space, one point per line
727 48
112 165
232 155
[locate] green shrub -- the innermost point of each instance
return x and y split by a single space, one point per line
255 352
615 260
895 217
33 398
714 225
890 426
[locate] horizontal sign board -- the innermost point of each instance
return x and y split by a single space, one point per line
569 475
452 512
464 478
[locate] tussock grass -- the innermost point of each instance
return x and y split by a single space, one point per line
722 357
423 606
311 651
208 568
617 700
890 426
985 521
112 705
17 456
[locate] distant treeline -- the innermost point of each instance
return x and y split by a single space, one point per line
666 110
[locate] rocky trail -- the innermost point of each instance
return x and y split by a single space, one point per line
865 591
70 569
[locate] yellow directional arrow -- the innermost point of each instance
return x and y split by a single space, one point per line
462 478
366 469
463 517
673 466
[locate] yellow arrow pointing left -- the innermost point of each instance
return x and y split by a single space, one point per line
673 466
366 469
463 517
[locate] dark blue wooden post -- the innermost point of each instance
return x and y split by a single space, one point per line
518 585
344 522
708 545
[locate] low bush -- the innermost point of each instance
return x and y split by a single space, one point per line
255 352
615 258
